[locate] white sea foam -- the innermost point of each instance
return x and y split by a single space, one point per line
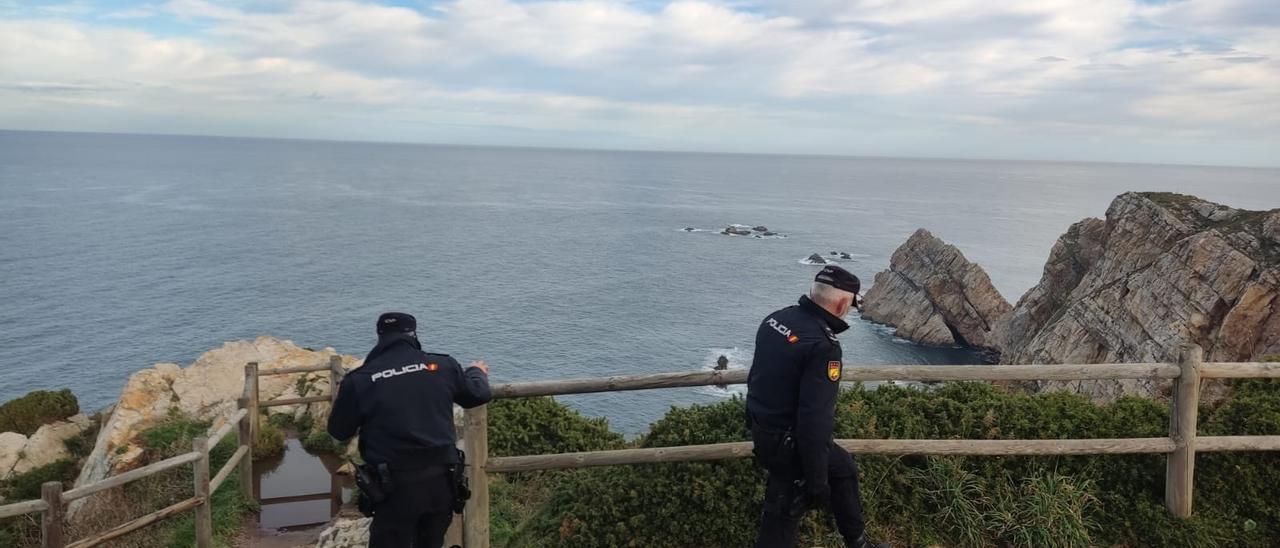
739 358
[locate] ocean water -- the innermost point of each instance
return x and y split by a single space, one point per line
120 251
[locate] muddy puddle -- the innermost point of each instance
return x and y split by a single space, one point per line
299 489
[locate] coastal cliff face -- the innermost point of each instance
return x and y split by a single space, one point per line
20 454
205 390
1161 270
933 295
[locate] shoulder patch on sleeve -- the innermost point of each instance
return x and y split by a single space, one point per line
834 369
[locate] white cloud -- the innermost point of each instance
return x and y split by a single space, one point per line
1064 68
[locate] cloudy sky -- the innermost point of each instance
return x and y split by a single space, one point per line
1194 81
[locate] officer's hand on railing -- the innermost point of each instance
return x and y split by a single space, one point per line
479 364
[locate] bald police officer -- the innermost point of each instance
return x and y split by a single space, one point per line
401 403
791 406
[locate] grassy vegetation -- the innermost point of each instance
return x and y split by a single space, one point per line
171 437
27 414
174 436
315 438
319 441
529 426
26 486
269 442
1064 501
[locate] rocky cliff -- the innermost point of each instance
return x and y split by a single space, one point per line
1161 269
932 294
207 390
20 454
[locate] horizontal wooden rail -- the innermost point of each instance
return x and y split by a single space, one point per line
294 401
1237 443
684 453
226 428
288 370
227 468
1246 370
923 373
619 383
296 498
732 450
927 373
129 527
25 507
1122 446
132 475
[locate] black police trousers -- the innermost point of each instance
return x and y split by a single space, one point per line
784 504
417 512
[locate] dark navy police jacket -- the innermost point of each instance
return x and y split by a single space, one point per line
401 402
794 380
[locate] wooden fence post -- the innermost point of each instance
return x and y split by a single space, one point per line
475 441
51 521
204 513
244 438
251 377
1179 479
335 378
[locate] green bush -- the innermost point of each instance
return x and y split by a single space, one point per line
27 414
269 442
172 436
24 530
26 486
535 426
319 441
283 421
529 426
980 501
80 445
688 504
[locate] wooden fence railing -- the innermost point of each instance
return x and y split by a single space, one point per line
53 497
1181 445
246 421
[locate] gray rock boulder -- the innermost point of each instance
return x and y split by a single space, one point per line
346 532
11 444
48 444
933 295
816 259
20 454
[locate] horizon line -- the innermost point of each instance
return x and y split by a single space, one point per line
649 151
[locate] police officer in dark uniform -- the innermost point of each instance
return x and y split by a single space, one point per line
401 403
791 406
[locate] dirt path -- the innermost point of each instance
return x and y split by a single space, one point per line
254 537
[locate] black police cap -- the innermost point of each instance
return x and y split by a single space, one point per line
839 278
396 322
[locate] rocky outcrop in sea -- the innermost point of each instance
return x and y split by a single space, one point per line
1161 270
933 295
